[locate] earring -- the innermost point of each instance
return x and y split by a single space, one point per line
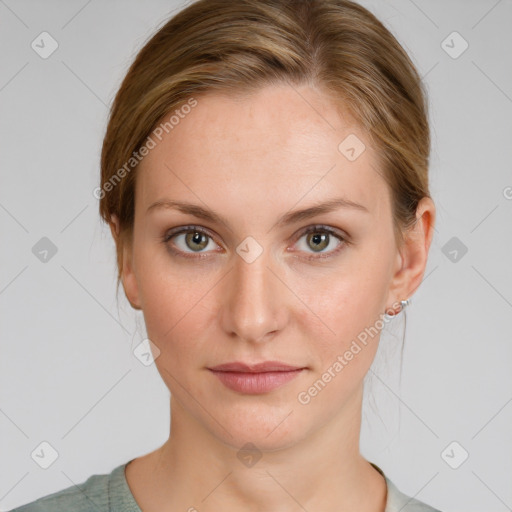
403 304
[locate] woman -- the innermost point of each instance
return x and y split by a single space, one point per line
265 177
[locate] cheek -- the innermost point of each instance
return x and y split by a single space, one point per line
343 301
344 344
344 314
176 312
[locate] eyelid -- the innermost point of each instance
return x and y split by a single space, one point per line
189 227
313 228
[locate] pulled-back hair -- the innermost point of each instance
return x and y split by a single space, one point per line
240 46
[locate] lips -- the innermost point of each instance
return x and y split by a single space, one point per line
255 378
265 366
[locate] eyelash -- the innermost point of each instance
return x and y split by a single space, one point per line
317 228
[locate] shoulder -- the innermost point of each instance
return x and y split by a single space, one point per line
398 501
88 496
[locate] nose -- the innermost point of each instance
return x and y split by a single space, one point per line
254 306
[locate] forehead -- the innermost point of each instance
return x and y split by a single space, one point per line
278 144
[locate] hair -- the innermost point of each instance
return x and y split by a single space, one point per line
238 47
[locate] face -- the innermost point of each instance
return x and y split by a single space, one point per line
252 283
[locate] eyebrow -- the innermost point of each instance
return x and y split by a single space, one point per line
287 218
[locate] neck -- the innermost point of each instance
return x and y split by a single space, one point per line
324 471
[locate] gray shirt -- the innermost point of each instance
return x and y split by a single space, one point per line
110 493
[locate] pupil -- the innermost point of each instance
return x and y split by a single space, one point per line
195 239
318 239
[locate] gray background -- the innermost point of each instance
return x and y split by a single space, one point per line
67 372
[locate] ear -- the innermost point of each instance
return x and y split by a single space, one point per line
125 260
412 257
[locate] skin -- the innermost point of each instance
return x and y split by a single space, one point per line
251 159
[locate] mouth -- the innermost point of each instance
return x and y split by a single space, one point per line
255 378
265 366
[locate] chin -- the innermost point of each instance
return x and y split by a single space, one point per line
267 430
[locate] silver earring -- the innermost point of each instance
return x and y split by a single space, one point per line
403 305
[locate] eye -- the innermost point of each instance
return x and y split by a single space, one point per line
319 238
189 240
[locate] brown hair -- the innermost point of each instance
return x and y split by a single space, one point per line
240 46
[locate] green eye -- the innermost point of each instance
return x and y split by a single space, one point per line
195 239
318 238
